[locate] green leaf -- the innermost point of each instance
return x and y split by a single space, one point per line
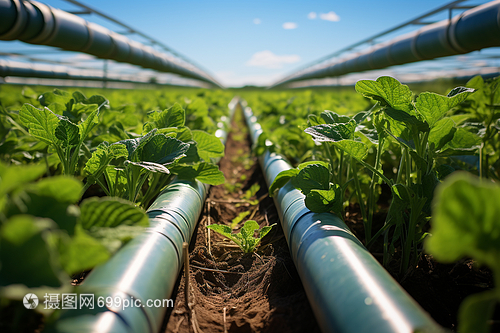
25 258
281 179
433 106
116 178
332 132
81 253
15 176
312 177
463 142
475 312
50 198
245 239
331 117
163 149
67 132
88 124
400 198
115 238
265 230
225 231
29 93
303 165
102 156
239 218
180 133
204 172
134 146
64 189
172 117
57 96
320 201
312 120
251 191
110 212
198 108
465 221
249 228
191 154
441 133
356 149
388 91
459 91
41 124
406 118
150 166
208 145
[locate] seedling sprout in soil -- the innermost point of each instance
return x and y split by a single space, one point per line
245 239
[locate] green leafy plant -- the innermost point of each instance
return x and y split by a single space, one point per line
465 224
169 147
353 147
42 228
245 239
63 130
482 116
424 135
313 179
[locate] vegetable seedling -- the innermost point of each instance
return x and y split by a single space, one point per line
245 239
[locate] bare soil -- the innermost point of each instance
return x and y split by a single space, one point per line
232 291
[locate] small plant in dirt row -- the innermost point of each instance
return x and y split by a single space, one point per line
465 224
245 239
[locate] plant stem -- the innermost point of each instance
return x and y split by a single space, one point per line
481 160
369 167
367 226
341 164
408 167
74 159
103 187
415 207
333 178
61 156
19 127
371 195
401 163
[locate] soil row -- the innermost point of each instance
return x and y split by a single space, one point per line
231 291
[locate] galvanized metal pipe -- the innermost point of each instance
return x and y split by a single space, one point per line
28 70
473 30
349 291
35 23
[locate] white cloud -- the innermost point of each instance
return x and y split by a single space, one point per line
330 16
312 15
267 59
289 25
256 21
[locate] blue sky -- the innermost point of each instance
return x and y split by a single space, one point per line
257 42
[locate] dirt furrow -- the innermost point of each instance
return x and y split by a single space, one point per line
232 291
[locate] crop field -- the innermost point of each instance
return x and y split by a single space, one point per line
358 194
410 174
